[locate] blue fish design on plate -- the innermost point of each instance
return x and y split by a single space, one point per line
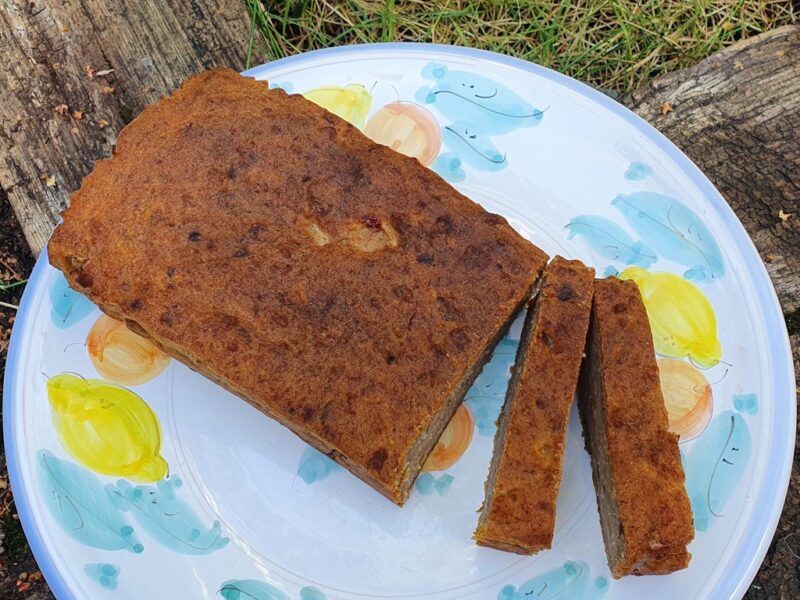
714 466
674 231
477 110
637 171
167 518
572 581
104 574
611 241
68 307
80 505
315 466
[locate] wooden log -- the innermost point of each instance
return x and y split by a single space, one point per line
737 116
74 72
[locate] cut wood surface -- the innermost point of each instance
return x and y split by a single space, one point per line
74 72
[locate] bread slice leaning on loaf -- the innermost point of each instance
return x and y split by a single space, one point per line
339 287
519 510
645 515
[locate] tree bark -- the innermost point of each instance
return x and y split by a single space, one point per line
74 72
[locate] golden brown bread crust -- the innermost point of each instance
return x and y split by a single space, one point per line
519 511
644 510
340 287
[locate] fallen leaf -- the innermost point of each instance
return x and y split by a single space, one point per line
666 108
48 180
77 115
770 258
74 130
61 109
102 123
107 89
783 216
104 72
65 29
780 53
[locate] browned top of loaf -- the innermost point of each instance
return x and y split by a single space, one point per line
523 507
339 286
645 462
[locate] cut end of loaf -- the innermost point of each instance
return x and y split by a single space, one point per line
592 412
425 444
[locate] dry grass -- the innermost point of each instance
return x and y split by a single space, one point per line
616 45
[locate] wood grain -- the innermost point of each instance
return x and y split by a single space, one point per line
105 59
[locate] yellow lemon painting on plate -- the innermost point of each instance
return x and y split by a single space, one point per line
351 102
687 397
454 441
681 317
107 428
121 355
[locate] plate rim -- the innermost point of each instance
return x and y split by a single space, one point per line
31 528
765 522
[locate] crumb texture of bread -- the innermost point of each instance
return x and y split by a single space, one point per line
519 510
338 286
645 515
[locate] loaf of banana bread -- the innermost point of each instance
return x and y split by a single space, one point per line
338 286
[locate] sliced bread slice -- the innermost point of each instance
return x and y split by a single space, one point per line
645 513
519 510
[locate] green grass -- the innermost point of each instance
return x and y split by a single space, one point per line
616 45
5 286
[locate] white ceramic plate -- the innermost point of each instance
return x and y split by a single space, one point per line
249 511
